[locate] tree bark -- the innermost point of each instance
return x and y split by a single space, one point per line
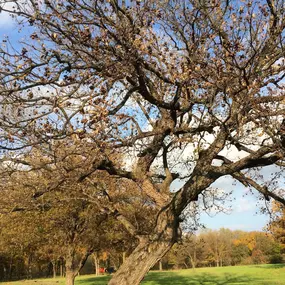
166 232
96 263
141 260
70 271
70 277
29 267
61 268
54 268
73 266
148 251
192 260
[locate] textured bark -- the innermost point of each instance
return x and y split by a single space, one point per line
142 259
149 251
70 277
73 265
70 268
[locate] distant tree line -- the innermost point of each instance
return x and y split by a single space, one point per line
224 247
210 248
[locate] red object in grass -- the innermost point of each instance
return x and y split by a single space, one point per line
102 270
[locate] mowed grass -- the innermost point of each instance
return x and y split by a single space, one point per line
237 275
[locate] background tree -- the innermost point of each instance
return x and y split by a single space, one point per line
69 220
224 247
277 228
175 83
189 253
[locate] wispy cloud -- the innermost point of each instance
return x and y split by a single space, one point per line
244 205
6 21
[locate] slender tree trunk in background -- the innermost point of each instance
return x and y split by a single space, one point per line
54 268
195 256
96 263
193 265
160 265
29 267
10 268
61 268
4 272
217 254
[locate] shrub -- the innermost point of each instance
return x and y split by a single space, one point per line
276 258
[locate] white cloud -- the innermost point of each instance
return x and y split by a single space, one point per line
244 205
6 21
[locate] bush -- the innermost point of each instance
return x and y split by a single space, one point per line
276 258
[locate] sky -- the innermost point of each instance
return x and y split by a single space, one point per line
244 214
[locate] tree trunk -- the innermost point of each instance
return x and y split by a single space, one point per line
193 263
141 260
61 268
10 268
29 267
96 263
160 266
70 277
73 266
54 268
149 250
70 267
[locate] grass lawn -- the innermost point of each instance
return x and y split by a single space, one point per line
238 275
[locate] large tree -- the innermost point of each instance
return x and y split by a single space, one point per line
187 90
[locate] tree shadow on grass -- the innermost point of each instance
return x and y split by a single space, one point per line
173 278
199 279
271 266
99 280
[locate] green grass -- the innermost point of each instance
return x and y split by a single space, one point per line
237 275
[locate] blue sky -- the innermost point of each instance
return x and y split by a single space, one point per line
245 215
